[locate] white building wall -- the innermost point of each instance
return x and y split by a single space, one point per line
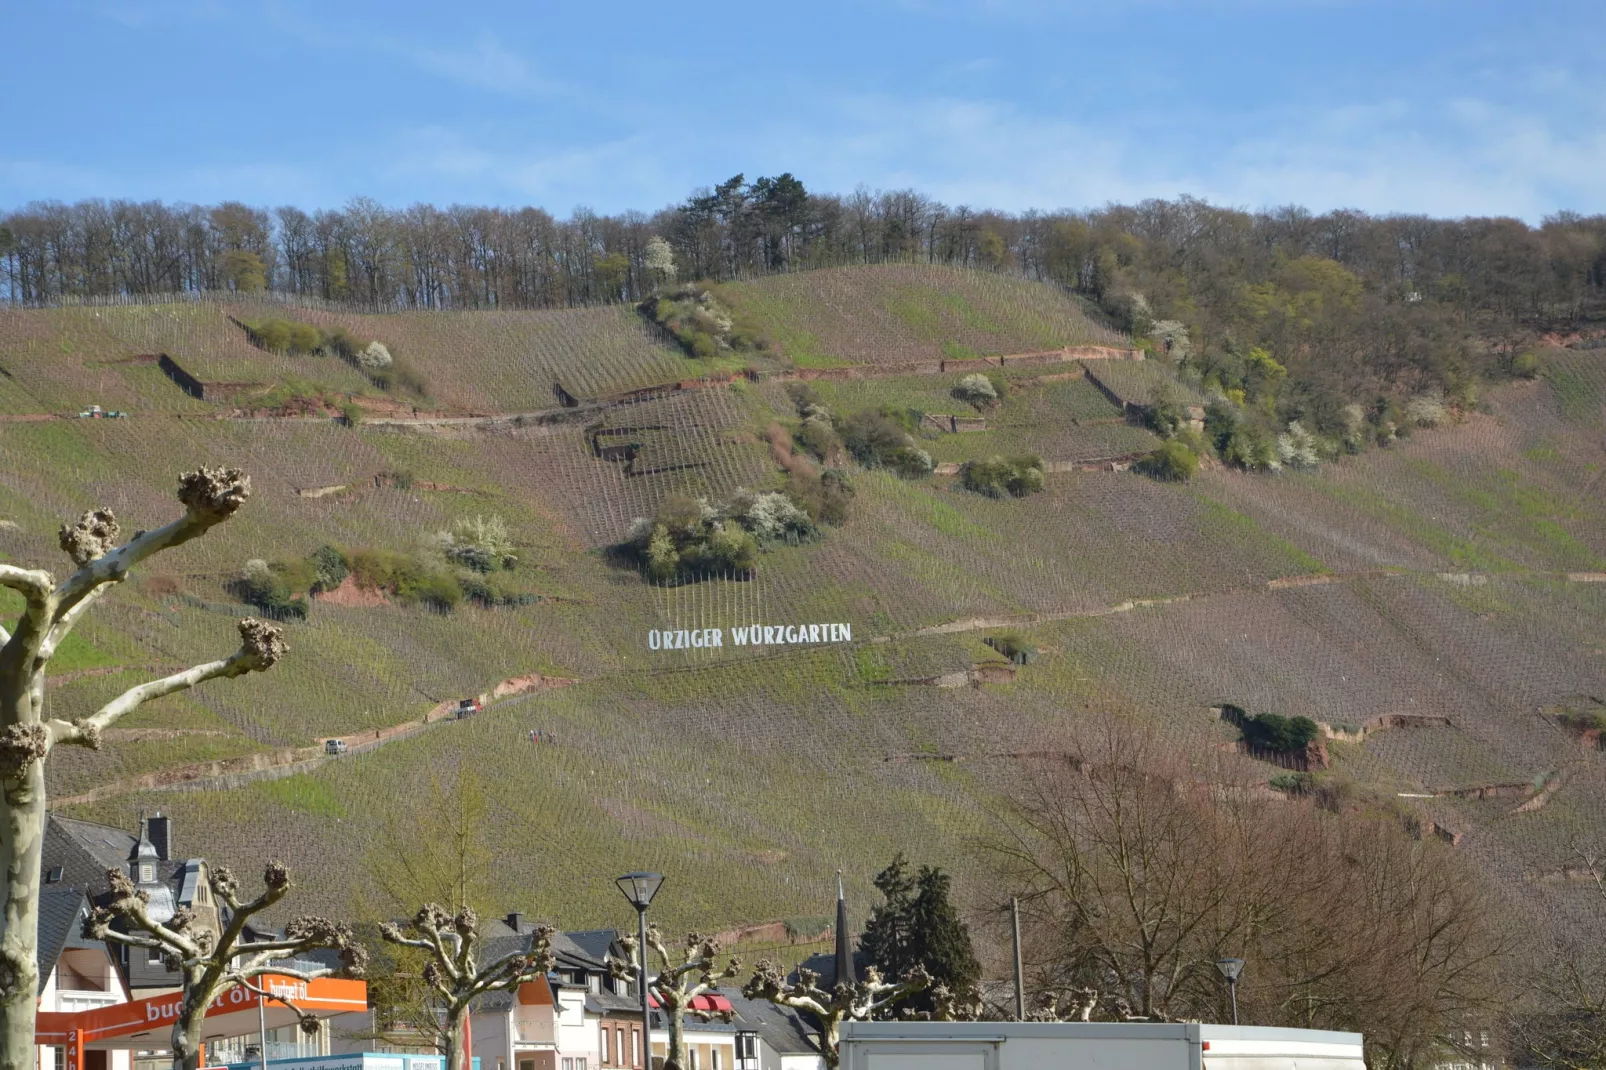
577 1028
55 998
491 1040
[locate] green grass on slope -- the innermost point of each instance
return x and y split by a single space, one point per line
903 312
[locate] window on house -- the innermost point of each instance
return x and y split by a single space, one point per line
694 1064
147 872
594 982
603 1054
713 1059
635 1047
58 1058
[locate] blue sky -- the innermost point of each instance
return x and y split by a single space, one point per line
1448 108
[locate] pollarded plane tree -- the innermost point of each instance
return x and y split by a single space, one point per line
857 1001
454 972
210 962
50 611
677 985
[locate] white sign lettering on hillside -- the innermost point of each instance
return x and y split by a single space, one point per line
750 635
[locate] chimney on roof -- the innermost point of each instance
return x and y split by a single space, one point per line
515 921
160 831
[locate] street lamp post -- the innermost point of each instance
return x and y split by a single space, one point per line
640 888
1230 969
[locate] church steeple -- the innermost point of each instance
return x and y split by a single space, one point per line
844 952
143 858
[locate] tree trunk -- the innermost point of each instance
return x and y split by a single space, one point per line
456 1058
187 1030
675 1025
21 841
831 1048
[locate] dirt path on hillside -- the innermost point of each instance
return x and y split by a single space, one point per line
272 764
287 761
387 412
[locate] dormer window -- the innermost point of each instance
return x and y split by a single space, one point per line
147 872
594 982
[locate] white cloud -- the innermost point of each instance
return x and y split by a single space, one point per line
483 64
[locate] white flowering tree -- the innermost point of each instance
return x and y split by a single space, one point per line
50 611
659 260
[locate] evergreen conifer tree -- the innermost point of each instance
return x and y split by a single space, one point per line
919 926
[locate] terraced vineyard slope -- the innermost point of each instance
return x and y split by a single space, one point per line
1439 605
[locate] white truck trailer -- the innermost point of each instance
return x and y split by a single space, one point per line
1092 1046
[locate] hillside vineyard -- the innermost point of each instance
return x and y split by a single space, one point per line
832 589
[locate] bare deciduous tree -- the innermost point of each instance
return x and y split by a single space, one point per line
50 611
857 1001
208 962
454 972
1561 1021
1137 872
676 984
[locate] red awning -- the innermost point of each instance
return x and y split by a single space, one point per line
712 1004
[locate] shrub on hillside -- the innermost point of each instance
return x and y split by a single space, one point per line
1297 447
823 495
702 323
1427 410
976 389
772 517
803 396
998 476
1525 365
1013 646
1293 783
881 438
409 579
817 435
267 588
479 543
1583 720
1173 462
1171 338
1274 732
329 568
373 358
689 539
283 336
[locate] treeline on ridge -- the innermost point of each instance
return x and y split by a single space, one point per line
1333 322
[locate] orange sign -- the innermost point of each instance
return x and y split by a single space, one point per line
331 994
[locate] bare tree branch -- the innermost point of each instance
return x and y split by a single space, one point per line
261 645
858 1001
209 495
453 973
209 962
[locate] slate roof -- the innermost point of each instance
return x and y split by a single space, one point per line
61 911
85 851
594 942
824 964
606 1002
786 1031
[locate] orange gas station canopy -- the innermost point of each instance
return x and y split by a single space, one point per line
145 1024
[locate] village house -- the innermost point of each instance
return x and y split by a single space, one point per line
76 857
583 1018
